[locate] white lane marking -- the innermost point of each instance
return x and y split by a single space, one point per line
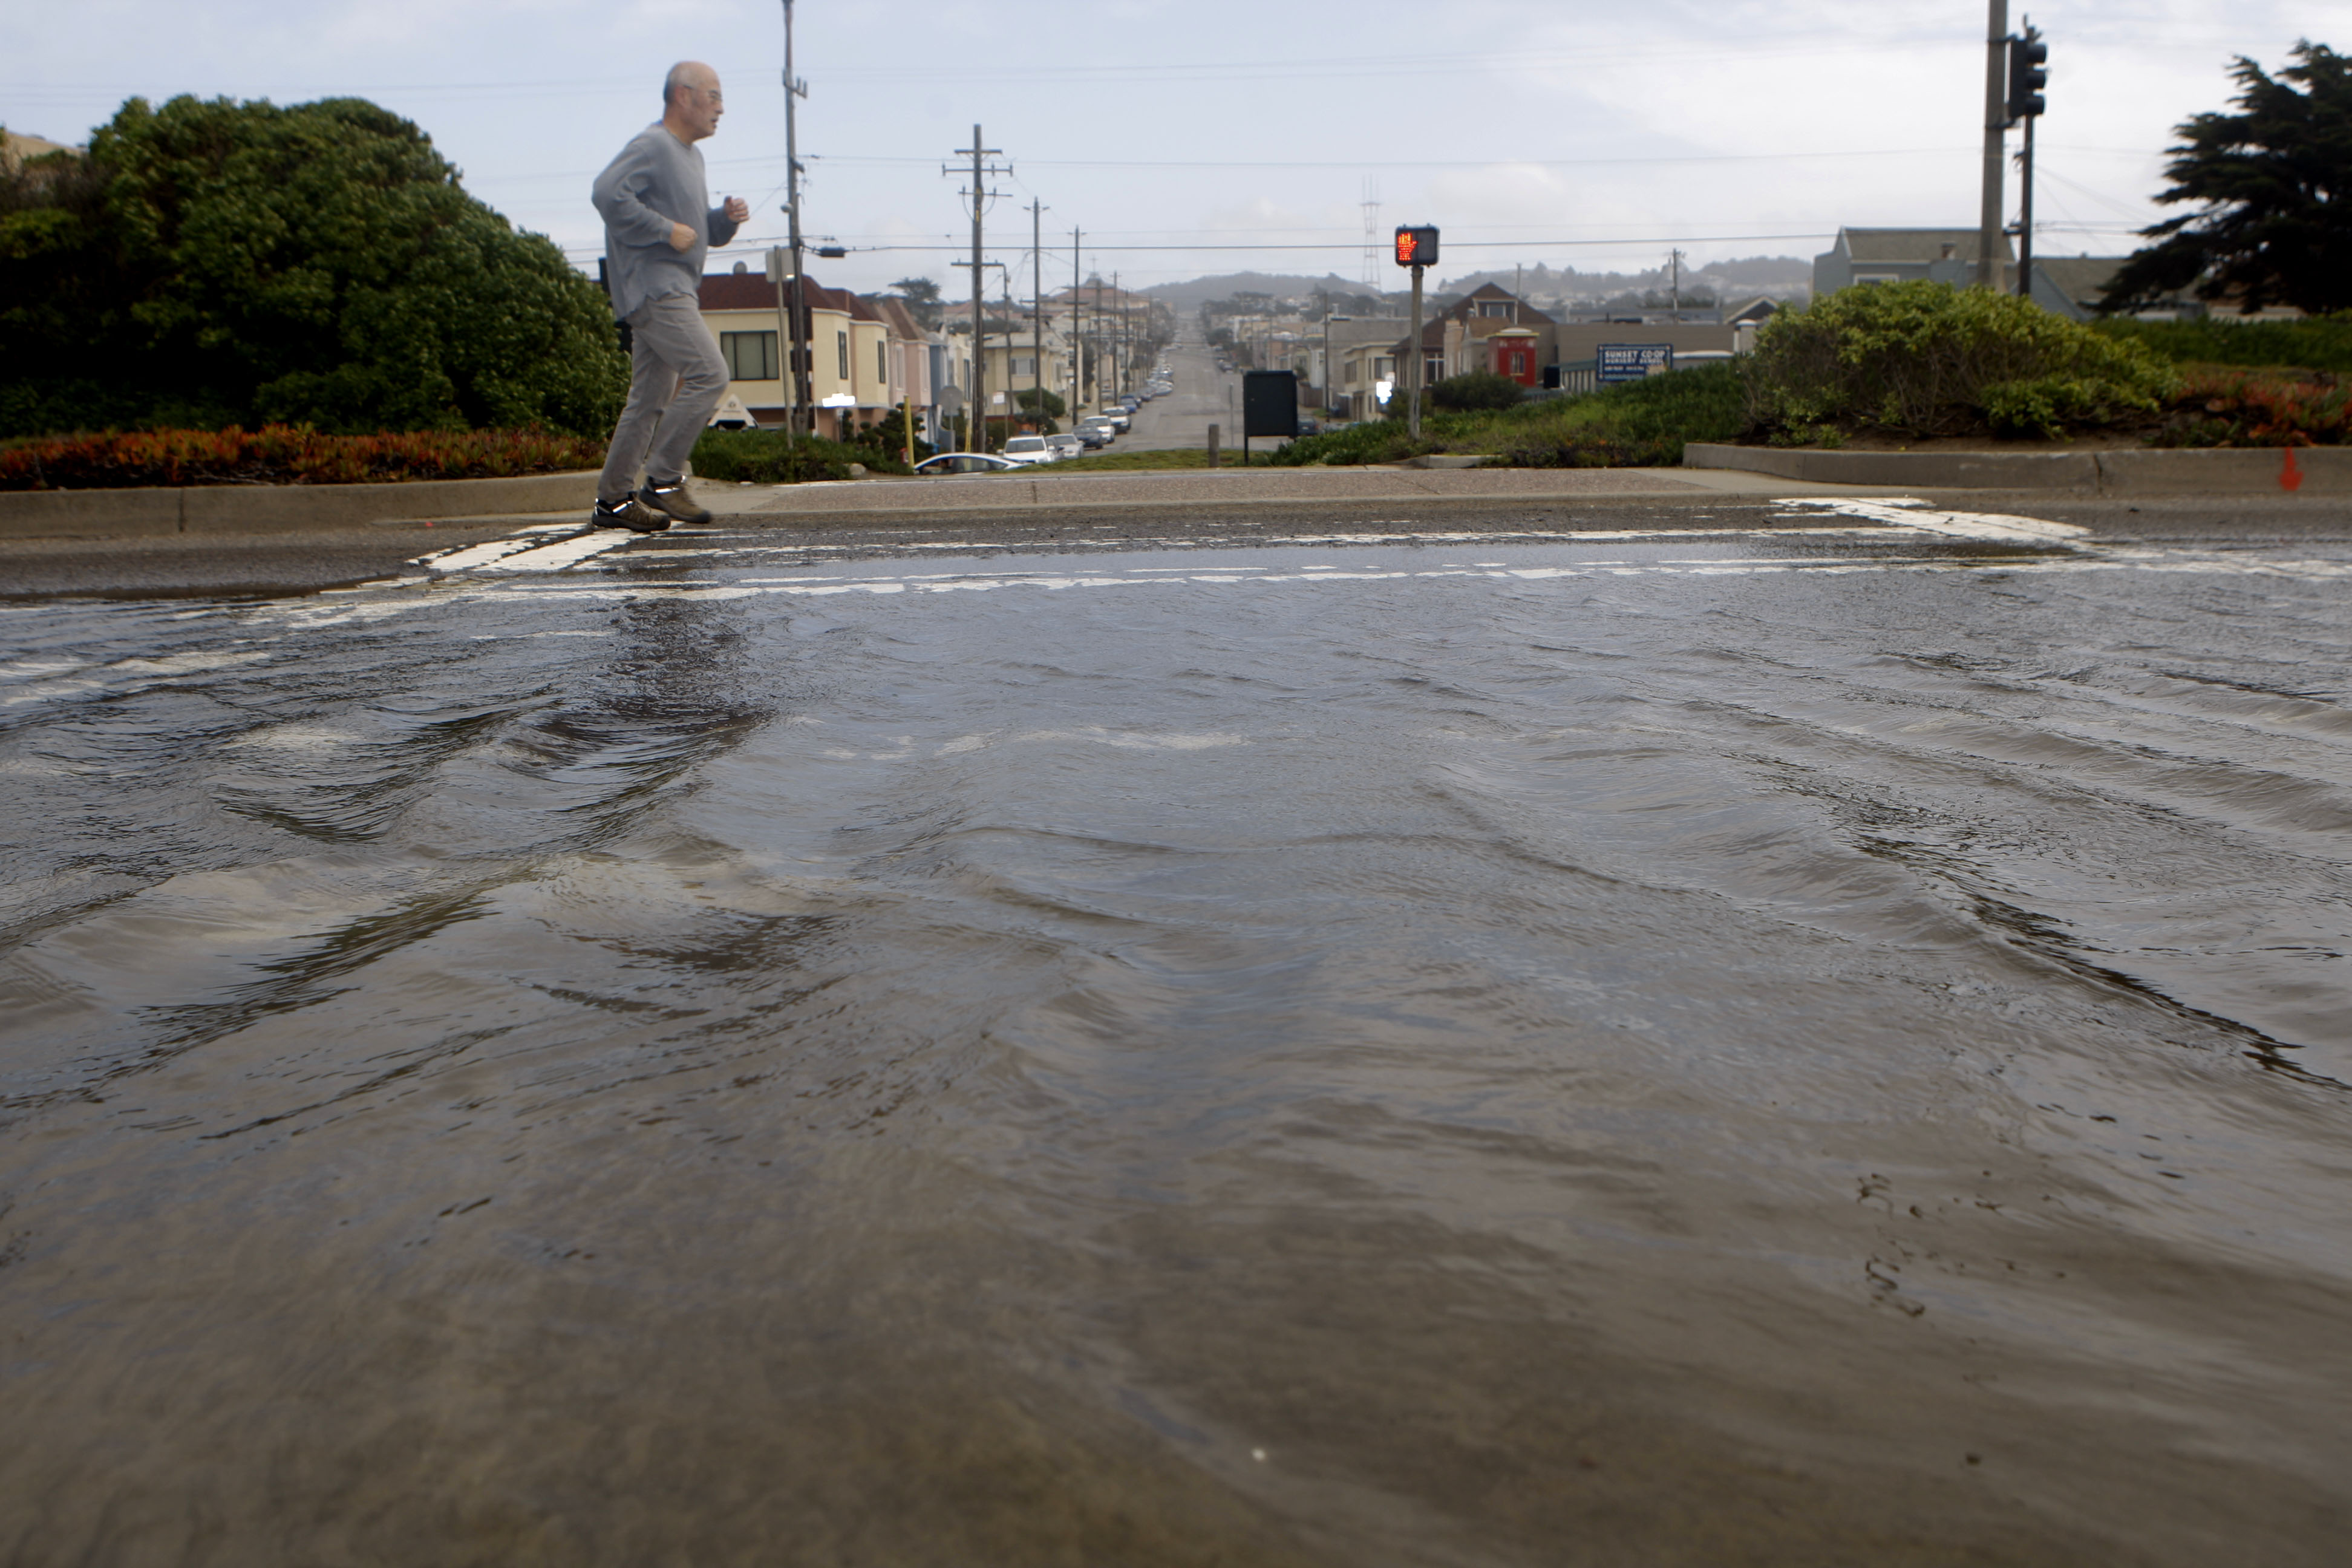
563 553
466 557
1905 511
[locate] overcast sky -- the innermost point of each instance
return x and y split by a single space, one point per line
1567 131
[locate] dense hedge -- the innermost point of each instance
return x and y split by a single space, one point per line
770 458
282 455
2317 342
1641 424
216 263
1921 359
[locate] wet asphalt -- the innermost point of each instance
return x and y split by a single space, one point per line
279 563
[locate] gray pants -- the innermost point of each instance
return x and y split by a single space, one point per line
676 379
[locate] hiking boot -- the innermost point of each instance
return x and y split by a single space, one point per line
669 495
628 512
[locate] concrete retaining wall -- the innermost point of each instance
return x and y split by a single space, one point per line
281 509
2253 471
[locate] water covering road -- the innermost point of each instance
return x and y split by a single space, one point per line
1818 1044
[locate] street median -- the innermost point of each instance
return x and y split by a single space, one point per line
2134 471
198 509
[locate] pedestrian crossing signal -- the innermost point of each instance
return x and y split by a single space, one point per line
1416 247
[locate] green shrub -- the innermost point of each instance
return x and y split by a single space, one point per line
1476 389
1641 424
216 263
770 458
1922 359
2318 343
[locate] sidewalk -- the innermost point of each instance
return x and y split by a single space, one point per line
1236 487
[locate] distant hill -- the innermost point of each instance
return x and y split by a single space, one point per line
1780 276
1191 296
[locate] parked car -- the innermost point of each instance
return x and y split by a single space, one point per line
1027 450
1119 417
1067 445
963 463
1096 432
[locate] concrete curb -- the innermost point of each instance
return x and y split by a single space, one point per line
281 509
2139 471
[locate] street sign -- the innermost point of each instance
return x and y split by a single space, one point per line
1269 403
951 400
1632 362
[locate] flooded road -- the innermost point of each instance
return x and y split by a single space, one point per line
1821 1043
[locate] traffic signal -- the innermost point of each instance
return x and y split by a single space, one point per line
1416 247
2026 77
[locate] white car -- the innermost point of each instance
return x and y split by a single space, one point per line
963 463
1067 445
1027 450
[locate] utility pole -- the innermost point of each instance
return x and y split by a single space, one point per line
977 195
1996 124
1077 338
1037 304
796 315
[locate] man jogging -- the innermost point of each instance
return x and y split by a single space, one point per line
658 226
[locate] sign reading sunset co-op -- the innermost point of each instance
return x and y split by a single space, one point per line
1632 362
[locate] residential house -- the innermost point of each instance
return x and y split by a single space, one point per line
2076 286
1345 357
855 373
1454 342
1902 255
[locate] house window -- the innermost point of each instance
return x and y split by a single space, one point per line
751 356
844 339
1024 366
1433 369
1384 368
1495 308
1877 277
882 361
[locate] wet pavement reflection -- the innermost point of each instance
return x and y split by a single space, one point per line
1815 1044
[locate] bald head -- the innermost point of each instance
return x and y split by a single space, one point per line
692 104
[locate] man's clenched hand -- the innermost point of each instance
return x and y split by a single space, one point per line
737 210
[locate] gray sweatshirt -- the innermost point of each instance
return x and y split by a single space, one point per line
655 182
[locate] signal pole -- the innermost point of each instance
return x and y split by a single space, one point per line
1996 123
1420 363
1415 247
1077 338
2026 80
794 89
979 195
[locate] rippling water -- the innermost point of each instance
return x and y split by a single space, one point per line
1818 1049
